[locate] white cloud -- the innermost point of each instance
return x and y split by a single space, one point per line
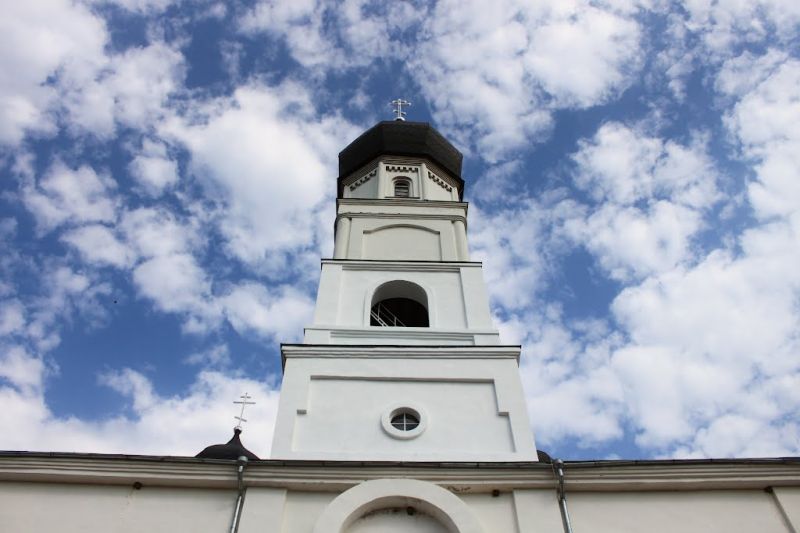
217 356
160 425
765 120
494 73
176 283
362 31
269 160
132 88
22 370
12 316
650 196
98 244
40 39
154 172
66 195
155 232
630 242
281 312
723 25
704 34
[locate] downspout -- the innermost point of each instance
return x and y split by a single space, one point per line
241 463
558 472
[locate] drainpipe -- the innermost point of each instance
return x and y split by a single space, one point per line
241 463
558 471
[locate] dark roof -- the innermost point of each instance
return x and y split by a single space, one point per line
413 139
233 449
586 463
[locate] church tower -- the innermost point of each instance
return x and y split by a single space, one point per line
402 361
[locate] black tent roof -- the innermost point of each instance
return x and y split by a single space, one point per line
401 138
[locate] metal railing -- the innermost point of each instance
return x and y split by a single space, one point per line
384 317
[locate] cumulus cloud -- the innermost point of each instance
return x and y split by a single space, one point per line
650 197
67 195
282 312
98 244
268 157
153 168
38 40
156 424
494 74
58 71
764 121
131 89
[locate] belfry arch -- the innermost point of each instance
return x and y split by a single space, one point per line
399 303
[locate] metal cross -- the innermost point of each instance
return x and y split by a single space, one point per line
398 108
243 403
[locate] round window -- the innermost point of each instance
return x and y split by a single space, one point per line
404 422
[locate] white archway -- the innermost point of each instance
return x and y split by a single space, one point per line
378 494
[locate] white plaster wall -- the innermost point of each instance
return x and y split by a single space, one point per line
496 514
406 241
420 240
331 408
788 499
89 508
73 508
376 181
458 304
302 510
462 418
364 236
367 189
722 511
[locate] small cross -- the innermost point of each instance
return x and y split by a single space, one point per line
398 108
244 397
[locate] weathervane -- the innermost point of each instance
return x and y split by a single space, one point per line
398 108
243 403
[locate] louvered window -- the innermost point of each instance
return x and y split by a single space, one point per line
402 188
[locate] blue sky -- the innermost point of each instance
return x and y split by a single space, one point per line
168 183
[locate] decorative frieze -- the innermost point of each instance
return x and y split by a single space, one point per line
439 181
401 168
363 179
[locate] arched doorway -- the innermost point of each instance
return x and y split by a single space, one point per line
388 504
396 520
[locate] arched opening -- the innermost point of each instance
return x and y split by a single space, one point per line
399 304
402 188
397 519
397 505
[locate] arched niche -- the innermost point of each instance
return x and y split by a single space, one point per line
402 242
399 303
444 508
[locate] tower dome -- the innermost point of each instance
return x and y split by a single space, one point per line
233 449
417 140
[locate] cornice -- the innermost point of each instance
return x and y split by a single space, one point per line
604 476
373 351
404 201
416 266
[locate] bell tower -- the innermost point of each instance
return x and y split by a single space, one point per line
402 361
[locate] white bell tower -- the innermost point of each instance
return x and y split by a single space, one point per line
402 361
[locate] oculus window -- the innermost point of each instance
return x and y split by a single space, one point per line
404 421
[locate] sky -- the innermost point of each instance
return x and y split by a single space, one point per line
167 186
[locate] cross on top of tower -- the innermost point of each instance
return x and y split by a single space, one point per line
398 104
243 402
